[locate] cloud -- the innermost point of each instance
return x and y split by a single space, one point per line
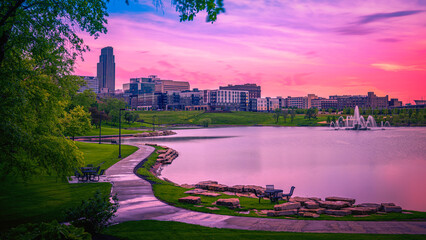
389 40
165 64
355 30
381 16
397 68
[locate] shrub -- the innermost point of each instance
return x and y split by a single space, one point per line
205 122
94 214
51 231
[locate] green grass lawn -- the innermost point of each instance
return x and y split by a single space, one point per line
95 153
110 131
150 229
226 118
170 193
46 198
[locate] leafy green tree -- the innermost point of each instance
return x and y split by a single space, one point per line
76 122
277 114
292 115
86 99
328 119
285 114
38 48
131 117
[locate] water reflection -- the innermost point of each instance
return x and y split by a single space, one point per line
371 166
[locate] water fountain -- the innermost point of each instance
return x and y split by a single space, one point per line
357 122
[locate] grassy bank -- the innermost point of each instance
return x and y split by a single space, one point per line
45 198
227 118
149 229
110 131
170 193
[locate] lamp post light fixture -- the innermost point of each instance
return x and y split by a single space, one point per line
119 133
100 127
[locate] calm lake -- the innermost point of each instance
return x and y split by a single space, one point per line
370 166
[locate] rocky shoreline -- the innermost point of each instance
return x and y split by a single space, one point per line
155 133
310 207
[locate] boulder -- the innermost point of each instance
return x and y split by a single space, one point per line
236 188
308 214
217 187
210 194
286 212
382 205
311 204
370 205
190 199
229 202
195 191
334 212
267 212
336 205
340 199
286 206
254 188
187 185
317 210
362 210
390 209
315 199
302 200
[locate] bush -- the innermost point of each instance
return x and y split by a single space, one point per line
205 122
51 231
94 214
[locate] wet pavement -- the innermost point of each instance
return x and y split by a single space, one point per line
137 202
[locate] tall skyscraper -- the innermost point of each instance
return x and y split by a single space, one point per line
106 71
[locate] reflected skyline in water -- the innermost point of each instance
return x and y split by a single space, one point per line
370 166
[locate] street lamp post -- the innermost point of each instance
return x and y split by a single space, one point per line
119 133
100 127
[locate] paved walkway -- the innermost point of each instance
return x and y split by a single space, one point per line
137 202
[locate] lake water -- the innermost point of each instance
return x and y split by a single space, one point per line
370 166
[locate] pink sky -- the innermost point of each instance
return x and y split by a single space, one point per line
290 48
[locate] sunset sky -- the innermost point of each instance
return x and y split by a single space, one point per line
290 48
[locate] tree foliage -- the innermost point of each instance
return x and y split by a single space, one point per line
76 122
38 46
188 9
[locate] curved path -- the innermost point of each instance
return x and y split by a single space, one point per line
137 202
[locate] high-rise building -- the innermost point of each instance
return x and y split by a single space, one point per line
253 89
106 70
92 83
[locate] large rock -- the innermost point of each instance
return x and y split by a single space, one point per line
217 187
236 188
286 206
311 204
336 205
370 205
390 209
342 212
229 202
253 188
286 212
382 206
302 200
340 199
362 210
190 199
196 191
317 210
308 214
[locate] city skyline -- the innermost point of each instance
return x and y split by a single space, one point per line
291 49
